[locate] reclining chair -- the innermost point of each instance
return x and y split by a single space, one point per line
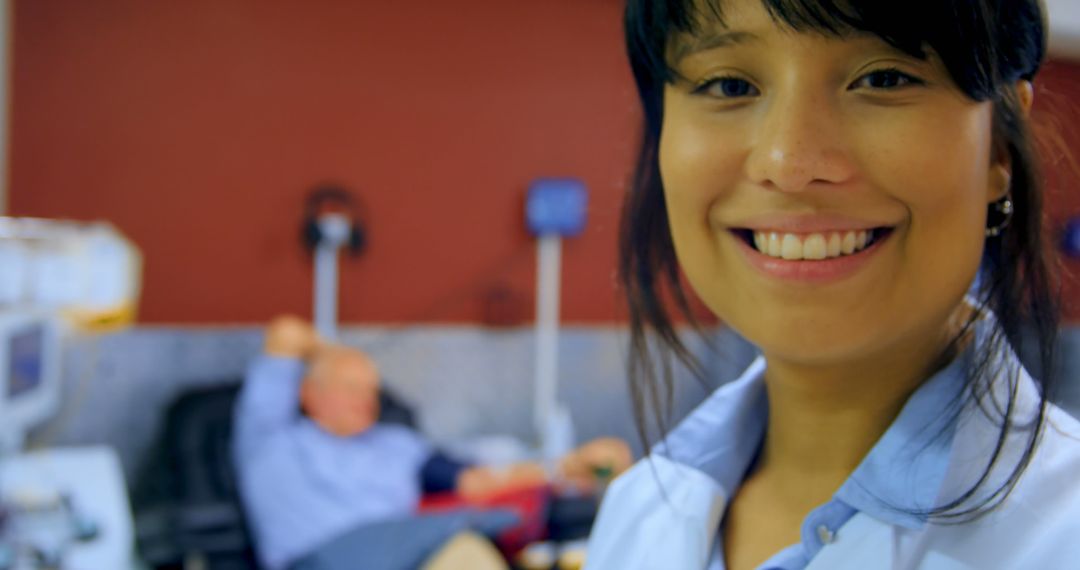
187 508
188 512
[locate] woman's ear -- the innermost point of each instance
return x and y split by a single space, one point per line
1000 181
1001 170
1025 92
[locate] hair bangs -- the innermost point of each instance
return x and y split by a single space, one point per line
969 36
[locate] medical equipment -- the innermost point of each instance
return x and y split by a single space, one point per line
52 501
86 272
555 208
325 233
1070 238
66 505
56 278
29 374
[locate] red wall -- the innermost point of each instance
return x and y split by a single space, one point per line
1057 122
198 126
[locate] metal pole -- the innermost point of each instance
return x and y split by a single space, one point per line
552 420
335 230
326 291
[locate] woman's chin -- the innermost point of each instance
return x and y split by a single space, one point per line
821 352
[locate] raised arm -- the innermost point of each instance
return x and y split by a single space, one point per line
269 398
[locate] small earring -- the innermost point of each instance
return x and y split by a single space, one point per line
1004 207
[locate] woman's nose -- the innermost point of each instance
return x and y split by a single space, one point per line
798 143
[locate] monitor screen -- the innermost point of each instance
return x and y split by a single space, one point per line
25 360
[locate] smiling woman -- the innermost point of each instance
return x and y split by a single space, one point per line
831 177
820 144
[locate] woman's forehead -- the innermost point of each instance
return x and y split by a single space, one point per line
712 24
703 39
831 17
773 36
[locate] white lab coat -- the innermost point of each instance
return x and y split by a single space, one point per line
665 515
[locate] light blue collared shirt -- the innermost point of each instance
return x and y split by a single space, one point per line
902 473
303 486
666 512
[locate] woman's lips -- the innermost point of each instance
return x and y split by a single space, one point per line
812 246
818 257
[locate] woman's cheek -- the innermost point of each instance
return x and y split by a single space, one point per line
697 168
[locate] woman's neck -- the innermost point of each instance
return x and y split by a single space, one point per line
824 419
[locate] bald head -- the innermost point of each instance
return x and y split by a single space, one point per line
340 363
341 391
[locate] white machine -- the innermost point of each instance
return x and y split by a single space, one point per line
87 272
59 507
29 374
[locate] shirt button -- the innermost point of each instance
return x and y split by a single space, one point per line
825 535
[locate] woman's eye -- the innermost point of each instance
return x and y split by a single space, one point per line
886 79
727 88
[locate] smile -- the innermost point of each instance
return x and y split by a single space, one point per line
811 257
812 246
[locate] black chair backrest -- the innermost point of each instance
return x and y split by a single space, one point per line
185 497
191 462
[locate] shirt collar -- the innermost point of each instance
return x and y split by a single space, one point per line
722 436
899 478
902 475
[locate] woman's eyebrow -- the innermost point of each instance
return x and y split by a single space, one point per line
688 45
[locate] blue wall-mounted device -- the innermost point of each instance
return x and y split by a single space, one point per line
556 206
1070 241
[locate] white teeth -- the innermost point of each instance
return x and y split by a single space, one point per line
793 248
834 245
774 244
813 246
848 245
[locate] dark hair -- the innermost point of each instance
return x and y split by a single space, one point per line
987 46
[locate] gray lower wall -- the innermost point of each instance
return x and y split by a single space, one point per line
462 381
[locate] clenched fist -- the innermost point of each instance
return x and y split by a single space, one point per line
291 337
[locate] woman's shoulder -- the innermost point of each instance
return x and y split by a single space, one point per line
723 432
658 514
1062 429
1036 524
1054 471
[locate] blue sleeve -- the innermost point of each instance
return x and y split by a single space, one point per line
269 400
440 473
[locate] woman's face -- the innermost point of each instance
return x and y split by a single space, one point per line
827 197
